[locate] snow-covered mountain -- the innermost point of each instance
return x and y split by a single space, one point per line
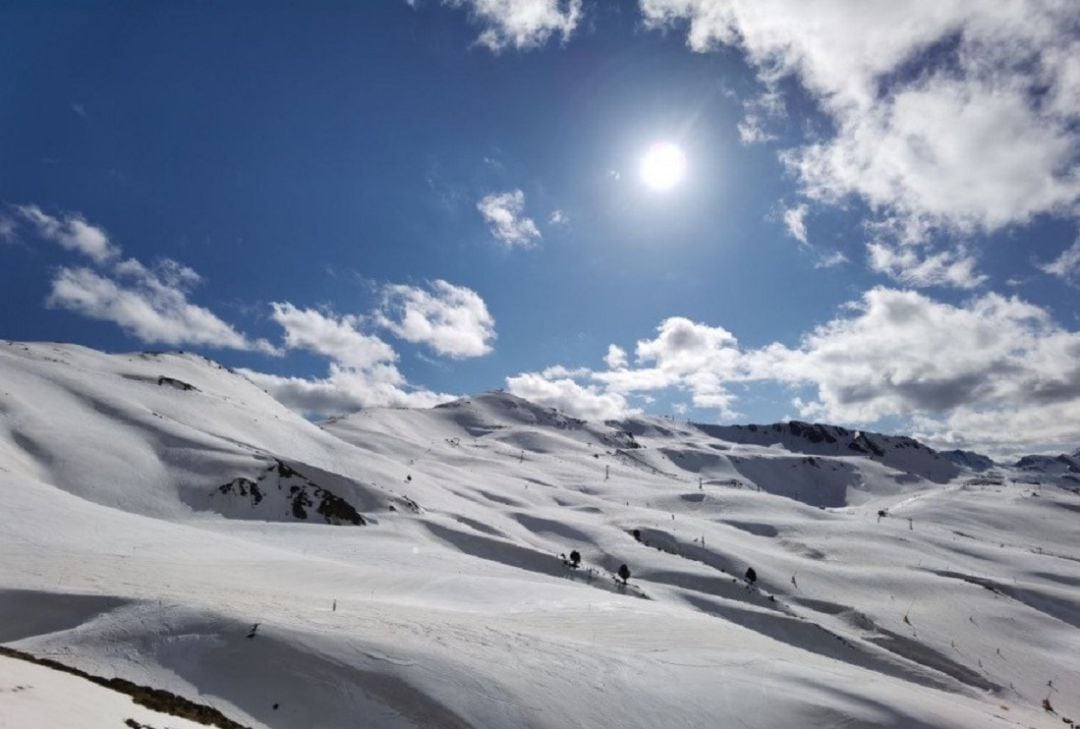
168 523
1061 469
969 459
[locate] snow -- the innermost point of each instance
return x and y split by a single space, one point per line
448 604
35 696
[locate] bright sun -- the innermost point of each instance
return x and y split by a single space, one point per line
663 166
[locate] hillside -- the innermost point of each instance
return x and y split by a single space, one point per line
167 522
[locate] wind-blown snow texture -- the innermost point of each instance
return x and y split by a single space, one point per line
404 568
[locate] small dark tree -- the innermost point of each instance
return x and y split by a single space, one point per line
637 534
575 559
751 575
624 573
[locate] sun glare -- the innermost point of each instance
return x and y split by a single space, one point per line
663 166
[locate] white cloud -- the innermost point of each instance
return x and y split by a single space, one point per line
151 306
335 337
994 372
900 352
504 215
72 232
752 132
909 266
1067 265
346 390
794 219
616 357
558 372
951 115
795 222
452 320
522 24
558 217
831 260
969 155
7 228
757 112
362 371
587 402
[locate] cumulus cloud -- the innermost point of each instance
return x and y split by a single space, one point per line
968 155
900 353
362 370
956 116
993 372
1067 265
504 213
684 354
345 390
988 373
72 232
616 357
583 401
335 337
150 305
452 320
522 24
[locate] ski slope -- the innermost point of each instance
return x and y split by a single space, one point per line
167 522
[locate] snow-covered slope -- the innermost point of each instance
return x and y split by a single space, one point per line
167 522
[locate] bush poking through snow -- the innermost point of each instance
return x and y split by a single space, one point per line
575 559
751 575
624 574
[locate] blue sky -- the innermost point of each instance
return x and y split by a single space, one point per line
393 203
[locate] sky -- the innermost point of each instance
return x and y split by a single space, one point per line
854 211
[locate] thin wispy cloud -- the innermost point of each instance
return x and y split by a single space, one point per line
1067 265
71 231
505 215
913 266
795 222
7 228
